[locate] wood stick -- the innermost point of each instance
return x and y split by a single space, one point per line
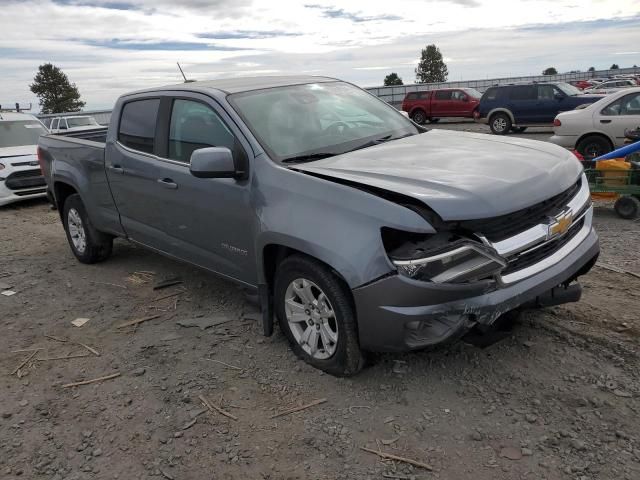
26 360
225 364
24 350
57 339
76 355
390 456
617 269
94 380
137 321
92 350
110 284
297 409
213 407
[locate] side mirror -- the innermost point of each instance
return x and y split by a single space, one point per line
558 95
212 162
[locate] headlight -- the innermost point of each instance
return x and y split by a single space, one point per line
442 258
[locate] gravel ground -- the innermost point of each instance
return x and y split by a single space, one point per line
557 398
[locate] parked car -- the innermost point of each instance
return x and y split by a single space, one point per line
515 107
612 86
431 105
359 228
73 123
599 128
581 84
20 175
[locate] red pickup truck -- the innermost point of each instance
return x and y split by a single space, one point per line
431 105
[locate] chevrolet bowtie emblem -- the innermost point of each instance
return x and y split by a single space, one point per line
560 224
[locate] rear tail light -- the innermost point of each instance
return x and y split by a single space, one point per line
476 114
557 122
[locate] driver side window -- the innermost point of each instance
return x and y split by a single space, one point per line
195 125
612 109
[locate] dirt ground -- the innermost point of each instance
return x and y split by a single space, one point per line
558 398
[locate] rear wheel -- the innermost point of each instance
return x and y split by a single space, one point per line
87 244
316 313
593 146
500 123
419 116
627 207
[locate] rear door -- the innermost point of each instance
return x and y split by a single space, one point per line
441 103
618 116
523 103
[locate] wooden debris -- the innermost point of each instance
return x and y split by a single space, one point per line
190 424
137 321
57 339
390 456
225 364
390 441
613 268
65 357
179 292
66 340
216 408
92 350
110 284
298 409
25 361
93 380
24 350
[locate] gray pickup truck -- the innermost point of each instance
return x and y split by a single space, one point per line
359 229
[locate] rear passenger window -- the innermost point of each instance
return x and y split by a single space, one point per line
528 92
491 94
138 124
443 95
193 126
412 96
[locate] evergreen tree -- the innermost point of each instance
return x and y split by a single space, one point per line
392 79
550 71
614 67
55 92
431 68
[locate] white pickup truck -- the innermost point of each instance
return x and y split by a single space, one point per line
20 174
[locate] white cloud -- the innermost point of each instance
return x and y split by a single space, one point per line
359 40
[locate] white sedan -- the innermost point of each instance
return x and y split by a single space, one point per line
612 86
599 128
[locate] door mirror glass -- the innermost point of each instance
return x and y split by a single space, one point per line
212 162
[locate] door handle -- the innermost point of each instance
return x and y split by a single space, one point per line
116 168
605 121
167 183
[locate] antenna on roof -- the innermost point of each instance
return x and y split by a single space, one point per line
186 80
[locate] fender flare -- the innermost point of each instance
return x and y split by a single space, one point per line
501 110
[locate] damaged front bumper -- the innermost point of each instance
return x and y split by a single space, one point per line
396 313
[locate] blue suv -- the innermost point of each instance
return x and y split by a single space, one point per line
515 107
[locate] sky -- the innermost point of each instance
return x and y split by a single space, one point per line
109 47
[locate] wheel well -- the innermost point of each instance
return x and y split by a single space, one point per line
62 191
594 134
505 112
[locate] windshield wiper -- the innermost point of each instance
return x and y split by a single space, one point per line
380 140
309 157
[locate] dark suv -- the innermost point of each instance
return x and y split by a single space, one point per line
515 107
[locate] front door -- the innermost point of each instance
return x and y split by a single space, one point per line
206 222
523 103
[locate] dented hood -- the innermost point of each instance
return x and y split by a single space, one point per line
461 176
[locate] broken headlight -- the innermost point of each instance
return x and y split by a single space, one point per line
441 257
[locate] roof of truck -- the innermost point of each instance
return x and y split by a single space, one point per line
244 84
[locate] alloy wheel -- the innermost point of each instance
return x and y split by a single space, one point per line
76 230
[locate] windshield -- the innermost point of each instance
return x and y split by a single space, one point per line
318 119
18 133
473 93
81 122
569 89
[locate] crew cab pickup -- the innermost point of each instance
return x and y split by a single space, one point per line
431 105
359 229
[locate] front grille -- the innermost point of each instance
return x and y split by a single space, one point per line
22 193
24 164
532 257
496 229
25 179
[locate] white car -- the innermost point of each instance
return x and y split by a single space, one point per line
599 127
73 123
612 86
20 175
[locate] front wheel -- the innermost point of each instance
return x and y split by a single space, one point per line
500 123
419 117
316 314
87 244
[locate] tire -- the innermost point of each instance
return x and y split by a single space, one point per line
434 120
87 244
500 123
518 129
627 207
299 279
419 116
593 146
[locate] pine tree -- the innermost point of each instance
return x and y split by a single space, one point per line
431 68
550 71
614 67
392 79
55 92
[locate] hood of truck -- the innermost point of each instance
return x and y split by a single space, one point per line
459 175
22 150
